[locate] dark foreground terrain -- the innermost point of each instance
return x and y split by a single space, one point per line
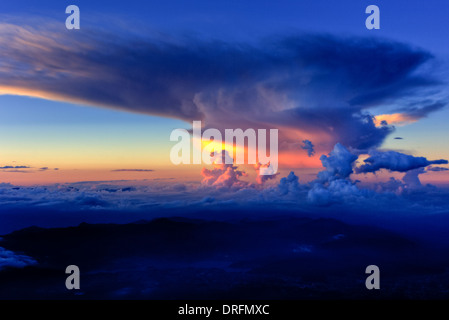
178 258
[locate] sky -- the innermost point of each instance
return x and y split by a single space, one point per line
99 103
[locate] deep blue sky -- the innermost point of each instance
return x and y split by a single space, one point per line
415 21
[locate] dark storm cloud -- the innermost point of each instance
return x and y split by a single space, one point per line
368 70
394 161
308 145
321 84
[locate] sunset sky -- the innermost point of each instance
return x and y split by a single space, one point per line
99 103
89 119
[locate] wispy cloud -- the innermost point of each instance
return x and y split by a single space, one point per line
24 169
15 167
9 259
132 170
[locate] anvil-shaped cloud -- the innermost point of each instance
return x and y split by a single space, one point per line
312 86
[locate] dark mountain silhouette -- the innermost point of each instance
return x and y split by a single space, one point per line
181 258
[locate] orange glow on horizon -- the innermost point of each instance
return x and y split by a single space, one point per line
36 177
297 159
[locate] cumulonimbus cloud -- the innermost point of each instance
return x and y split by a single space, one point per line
311 86
338 164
